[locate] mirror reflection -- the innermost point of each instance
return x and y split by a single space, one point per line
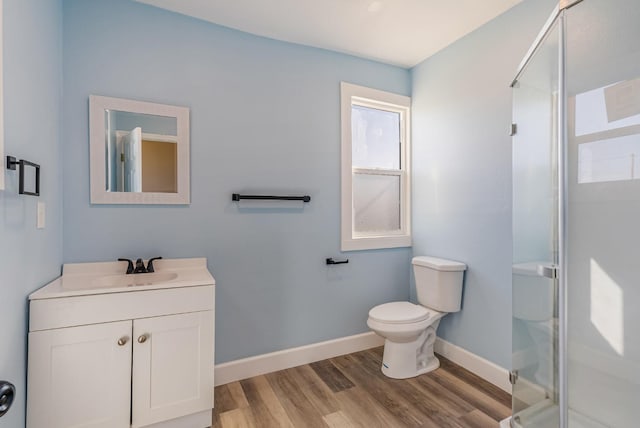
141 152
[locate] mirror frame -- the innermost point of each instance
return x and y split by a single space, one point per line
97 155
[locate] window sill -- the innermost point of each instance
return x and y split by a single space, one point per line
375 243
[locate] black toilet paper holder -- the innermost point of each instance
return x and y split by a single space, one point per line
330 261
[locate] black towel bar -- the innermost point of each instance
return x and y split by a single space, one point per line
237 197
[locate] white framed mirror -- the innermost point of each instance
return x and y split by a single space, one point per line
139 152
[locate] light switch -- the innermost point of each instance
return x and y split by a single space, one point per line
41 216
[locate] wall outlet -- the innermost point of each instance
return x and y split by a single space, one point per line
41 216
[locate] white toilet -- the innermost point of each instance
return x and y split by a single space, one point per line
533 325
410 330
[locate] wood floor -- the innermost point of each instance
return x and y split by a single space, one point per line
350 391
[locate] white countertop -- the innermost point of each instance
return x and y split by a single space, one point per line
80 279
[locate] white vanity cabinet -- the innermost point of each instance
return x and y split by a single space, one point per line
172 367
140 357
80 376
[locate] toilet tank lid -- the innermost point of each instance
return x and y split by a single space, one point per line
439 264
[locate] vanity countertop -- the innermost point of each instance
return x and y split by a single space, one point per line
81 279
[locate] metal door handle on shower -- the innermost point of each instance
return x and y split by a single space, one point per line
548 271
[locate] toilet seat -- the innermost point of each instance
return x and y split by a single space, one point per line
400 313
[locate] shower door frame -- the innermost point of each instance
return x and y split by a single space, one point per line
558 15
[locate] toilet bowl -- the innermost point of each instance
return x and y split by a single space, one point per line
409 329
410 332
533 324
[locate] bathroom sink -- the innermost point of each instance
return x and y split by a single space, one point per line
83 279
133 280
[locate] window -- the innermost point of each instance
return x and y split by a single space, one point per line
605 122
375 169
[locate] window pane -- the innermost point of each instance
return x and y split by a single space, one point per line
614 159
375 138
376 203
610 107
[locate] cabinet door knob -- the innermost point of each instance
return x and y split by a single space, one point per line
142 338
123 341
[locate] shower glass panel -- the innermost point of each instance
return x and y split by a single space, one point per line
603 88
535 238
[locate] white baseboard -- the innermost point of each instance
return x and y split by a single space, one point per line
287 358
487 370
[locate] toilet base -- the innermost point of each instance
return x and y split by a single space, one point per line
406 360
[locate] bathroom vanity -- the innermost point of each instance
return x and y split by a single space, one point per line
112 350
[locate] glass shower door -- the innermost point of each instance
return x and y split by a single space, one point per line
603 88
535 238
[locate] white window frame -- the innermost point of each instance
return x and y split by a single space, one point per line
350 95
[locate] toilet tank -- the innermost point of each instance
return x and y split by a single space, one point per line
533 293
439 283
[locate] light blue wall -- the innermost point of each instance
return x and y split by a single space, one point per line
265 118
462 171
29 258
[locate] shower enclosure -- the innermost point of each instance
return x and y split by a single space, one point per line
576 220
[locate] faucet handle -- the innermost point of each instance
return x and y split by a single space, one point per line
150 264
129 266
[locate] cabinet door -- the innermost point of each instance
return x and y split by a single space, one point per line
172 367
80 377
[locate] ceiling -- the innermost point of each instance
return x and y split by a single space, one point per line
398 32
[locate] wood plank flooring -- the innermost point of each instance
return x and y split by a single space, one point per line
351 391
